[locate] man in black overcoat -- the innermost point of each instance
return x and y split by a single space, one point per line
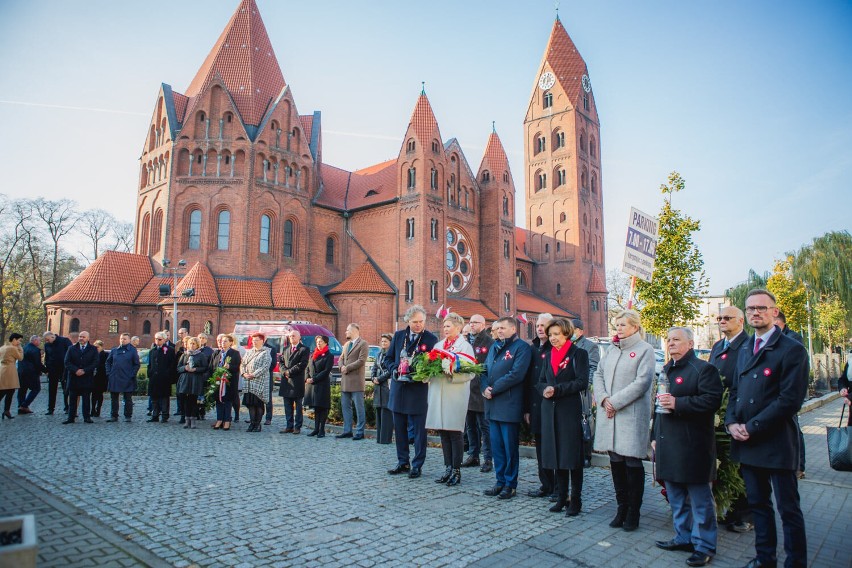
532 405
684 440
409 399
81 361
55 347
294 362
478 433
594 352
29 373
723 356
769 386
162 374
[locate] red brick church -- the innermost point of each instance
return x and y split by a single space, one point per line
232 180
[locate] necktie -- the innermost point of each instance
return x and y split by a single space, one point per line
726 344
294 349
757 343
349 348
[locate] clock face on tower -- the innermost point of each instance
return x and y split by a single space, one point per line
587 84
546 80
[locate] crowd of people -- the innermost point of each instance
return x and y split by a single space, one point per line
552 384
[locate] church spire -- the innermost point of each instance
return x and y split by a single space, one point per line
423 120
244 60
494 159
565 60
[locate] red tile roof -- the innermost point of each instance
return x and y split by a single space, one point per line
307 122
346 190
319 300
520 241
495 159
201 280
180 105
115 277
466 308
365 278
150 294
240 292
243 57
288 292
335 182
567 63
531 304
597 284
423 121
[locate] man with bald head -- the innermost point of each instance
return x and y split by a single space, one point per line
478 432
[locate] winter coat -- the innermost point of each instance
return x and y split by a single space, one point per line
381 391
231 362
162 371
318 393
561 414
626 377
505 370
100 384
408 397
256 362
54 355
293 366
9 356
448 396
193 382
686 438
85 359
30 368
481 344
354 358
766 396
726 359
539 353
122 365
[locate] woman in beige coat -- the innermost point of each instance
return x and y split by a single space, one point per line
623 384
10 354
448 398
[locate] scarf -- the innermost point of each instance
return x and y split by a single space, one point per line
449 342
319 352
557 357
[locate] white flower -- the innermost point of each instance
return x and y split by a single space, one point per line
716 421
446 366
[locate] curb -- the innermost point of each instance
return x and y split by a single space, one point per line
815 403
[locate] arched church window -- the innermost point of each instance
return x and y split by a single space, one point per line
194 242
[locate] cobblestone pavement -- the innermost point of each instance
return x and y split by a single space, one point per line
143 494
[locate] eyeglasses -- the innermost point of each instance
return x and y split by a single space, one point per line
726 318
758 309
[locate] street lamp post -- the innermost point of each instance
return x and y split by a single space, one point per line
174 293
810 328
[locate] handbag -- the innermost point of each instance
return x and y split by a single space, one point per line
839 445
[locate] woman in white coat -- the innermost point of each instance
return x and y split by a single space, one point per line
448 398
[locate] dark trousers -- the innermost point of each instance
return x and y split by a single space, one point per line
128 403
236 405
452 445
760 482
86 395
6 396
293 412
384 425
223 411
504 446
569 478
190 405
160 405
269 404
478 435
320 416
54 379
400 427
28 391
801 445
546 477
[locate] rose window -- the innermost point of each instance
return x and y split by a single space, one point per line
459 260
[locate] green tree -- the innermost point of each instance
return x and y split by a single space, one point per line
790 295
831 321
825 267
737 294
678 282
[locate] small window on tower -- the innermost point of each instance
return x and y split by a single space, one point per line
548 100
585 102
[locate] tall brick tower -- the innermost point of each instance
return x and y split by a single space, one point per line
563 183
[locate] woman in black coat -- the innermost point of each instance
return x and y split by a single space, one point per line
100 379
564 374
381 393
229 359
318 385
194 370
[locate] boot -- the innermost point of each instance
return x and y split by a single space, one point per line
257 426
455 478
561 492
576 490
636 490
193 423
619 481
188 424
448 472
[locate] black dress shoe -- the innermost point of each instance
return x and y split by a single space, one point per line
113 419
414 473
470 461
553 498
68 421
755 563
344 435
358 437
49 413
313 433
507 493
493 491
487 467
740 527
89 421
699 559
672 545
540 492
400 468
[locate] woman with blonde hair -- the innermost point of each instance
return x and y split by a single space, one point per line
194 371
448 397
623 385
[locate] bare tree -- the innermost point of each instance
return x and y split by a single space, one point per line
618 284
122 233
95 225
59 219
11 233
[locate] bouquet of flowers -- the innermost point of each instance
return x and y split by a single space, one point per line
438 362
216 385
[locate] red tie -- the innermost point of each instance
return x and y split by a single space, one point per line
757 343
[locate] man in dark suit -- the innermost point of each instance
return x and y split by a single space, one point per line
781 322
55 347
273 353
81 361
29 373
590 347
532 405
294 361
684 438
768 389
162 374
478 433
503 388
409 399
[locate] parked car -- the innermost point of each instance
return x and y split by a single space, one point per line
371 360
659 361
276 331
703 354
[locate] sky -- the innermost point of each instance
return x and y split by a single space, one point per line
748 100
